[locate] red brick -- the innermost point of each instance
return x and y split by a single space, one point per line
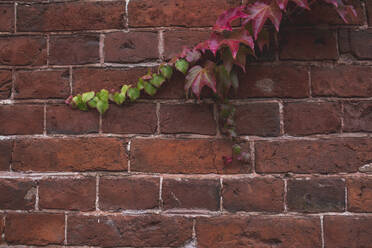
359 194
260 119
369 11
130 119
198 156
253 194
258 231
360 43
284 81
70 154
306 118
174 40
358 116
75 50
5 84
23 50
317 156
316 195
144 13
35 228
5 154
308 45
347 231
18 194
131 47
174 88
87 79
42 84
68 193
342 81
21 119
188 193
187 118
129 193
70 16
2 222
64 119
135 231
7 18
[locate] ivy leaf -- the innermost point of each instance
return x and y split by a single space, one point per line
157 80
88 96
133 93
182 65
198 77
302 3
124 89
237 38
347 13
223 78
140 84
103 95
166 71
149 89
93 103
224 21
79 103
102 106
119 98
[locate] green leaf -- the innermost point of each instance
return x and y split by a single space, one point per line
149 89
102 106
93 103
133 93
78 100
119 98
182 65
157 80
237 149
125 88
166 71
141 84
103 95
88 96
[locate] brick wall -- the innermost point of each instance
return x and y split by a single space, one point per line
150 174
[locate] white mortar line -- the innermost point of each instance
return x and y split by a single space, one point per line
161 44
66 221
97 192
101 49
322 230
161 193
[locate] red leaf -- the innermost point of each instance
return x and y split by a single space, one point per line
302 3
224 21
191 55
336 3
198 77
347 12
233 42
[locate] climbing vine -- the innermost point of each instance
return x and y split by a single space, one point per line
213 63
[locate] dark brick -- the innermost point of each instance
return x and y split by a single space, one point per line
183 118
360 45
253 194
7 18
5 84
187 193
359 194
17 194
358 116
316 195
369 11
68 194
129 193
42 84
5 154
139 231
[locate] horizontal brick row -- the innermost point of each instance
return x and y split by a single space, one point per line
306 195
176 231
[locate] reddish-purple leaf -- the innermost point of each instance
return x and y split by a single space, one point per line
224 21
198 77
283 4
191 55
235 39
347 12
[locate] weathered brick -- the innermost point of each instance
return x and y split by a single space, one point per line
308 45
316 156
360 45
5 84
253 194
74 50
369 10
131 47
23 50
17 194
88 79
347 231
2 222
358 116
7 18
200 156
130 118
188 193
42 84
71 16
5 154
68 193
258 231
342 81
306 118
64 119
139 231
187 118
359 194
21 119
285 81
144 13
316 195
129 193
260 119
35 228
175 40
69 154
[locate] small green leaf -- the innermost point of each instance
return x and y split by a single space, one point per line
157 80
102 106
141 84
166 71
237 149
133 93
88 96
93 103
78 100
182 65
103 95
149 89
119 98
124 89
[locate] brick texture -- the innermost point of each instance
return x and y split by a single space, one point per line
6 18
5 154
5 83
17 194
359 194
